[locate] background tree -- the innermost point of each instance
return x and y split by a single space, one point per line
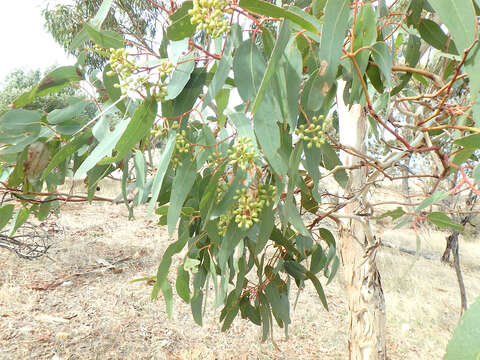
19 81
249 131
136 20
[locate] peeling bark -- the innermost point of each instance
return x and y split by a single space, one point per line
358 248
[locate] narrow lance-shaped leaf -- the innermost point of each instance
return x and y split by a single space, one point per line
106 39
137 129
383 58
442 220
183 182
180 76
103 148
265 8
161 170
336 21
277 54
101 14
6 212
66 151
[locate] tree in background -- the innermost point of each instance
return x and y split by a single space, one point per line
19 81
136 20
255 104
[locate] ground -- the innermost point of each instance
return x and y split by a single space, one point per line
80 302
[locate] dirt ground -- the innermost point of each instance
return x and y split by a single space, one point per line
80 304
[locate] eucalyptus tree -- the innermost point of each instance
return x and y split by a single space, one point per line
255 105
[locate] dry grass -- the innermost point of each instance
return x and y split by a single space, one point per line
96 313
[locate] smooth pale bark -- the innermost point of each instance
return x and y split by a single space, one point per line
358 246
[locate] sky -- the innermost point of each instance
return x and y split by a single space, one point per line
25 42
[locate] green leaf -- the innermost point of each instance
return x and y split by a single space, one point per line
266 226
222 102
248 69
365 35
20 218
224 67
183 284
318 259
268 135
196 305
270 10
101 14
161 170
277 294
19 123
66 151
294 218
113 92
330 160
181 27
289 78
184 102
333 269
208 198
166 262
17 175
168 297
465 344
432 199
442 220
471 141
182 183
383 58
413 50
106 39
79 39
394 214
415 11
180 76
295 269
140 174
6 212
337 15
374 75
231 239
230 310
103 148
54 81
272 66
459 17
318 287
318 6
433 34
58 116
249 312
139 127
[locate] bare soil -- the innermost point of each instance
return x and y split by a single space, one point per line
80 303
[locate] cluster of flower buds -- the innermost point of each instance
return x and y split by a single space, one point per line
208 15
243 153
159 90
127 71
182 146
315 133
125 68
250 203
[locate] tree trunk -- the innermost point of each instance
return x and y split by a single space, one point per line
452 246
358 249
